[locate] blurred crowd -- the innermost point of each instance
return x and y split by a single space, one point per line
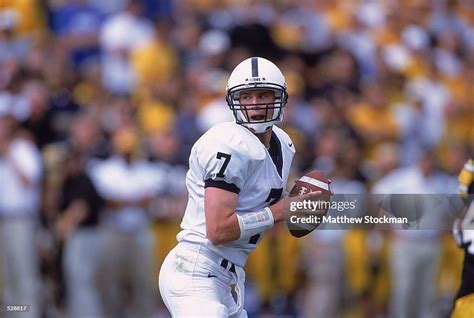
101 101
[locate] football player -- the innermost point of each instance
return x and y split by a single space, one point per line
464 235
236 182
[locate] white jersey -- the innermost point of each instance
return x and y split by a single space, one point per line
231 157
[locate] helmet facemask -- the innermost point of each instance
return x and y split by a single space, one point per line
240 110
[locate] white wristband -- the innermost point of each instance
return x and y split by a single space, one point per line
252 223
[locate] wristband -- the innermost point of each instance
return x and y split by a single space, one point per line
252 223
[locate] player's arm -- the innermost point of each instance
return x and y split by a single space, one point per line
222 225
225 171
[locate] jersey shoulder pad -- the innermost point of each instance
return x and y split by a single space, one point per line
238 139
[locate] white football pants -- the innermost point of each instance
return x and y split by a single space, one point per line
194 284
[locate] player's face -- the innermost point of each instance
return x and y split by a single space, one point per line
255 104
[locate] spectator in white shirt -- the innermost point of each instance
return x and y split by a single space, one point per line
124 182
20 184
120 35
415 253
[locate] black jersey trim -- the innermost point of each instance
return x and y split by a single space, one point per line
221 185
276 153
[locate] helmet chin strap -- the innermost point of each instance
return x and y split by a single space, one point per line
259 128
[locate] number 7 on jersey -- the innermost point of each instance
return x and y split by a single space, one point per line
226 157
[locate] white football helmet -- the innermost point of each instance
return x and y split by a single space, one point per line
257 73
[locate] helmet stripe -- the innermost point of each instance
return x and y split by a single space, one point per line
254 67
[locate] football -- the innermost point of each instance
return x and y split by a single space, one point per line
315 180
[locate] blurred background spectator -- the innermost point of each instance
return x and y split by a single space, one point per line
85 84
21 173
125 255
79 206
